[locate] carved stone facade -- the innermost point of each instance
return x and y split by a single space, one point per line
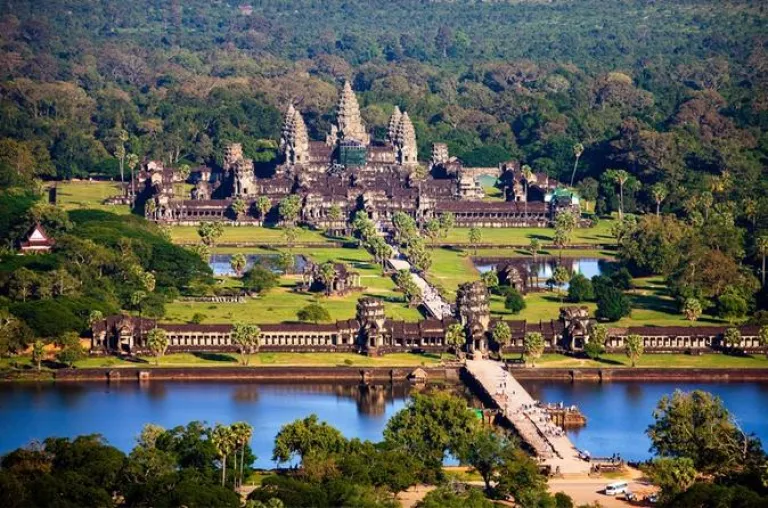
346 173
372 333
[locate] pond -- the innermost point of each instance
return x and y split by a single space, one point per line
220 263
541 269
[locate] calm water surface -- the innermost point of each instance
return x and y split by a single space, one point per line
119 411
618 413
542 269
220 263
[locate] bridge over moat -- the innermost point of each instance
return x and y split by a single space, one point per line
532 423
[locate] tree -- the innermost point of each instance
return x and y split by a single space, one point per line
762 249
38 353
594 349
238 262
565 223
634 348
612 304
447 497
418 255
94 317
289 209
209 233
501 333
519 476
447 223
313 312
71 350
290 234
672 475
533 347
692 309
534 247
514 301
239 207
659 193
432 230
122 137
485 452
731 306
698 426
132 160
247 338
580 289
431 425
490 279
598 336
241 435
475 236
327 273
263 204
259 279
560 276
732 338
763 337
157 342
455 337
307 437
224 443
620 177
578 149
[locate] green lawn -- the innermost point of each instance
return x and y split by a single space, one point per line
85 194
256 360
249 235
600 234
282 303
706 361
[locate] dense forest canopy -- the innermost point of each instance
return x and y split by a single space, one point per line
672 92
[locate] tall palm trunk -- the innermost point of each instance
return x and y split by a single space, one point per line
223 469
575 165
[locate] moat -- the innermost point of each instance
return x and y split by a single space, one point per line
617 413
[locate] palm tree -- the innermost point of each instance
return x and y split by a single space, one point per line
762 248
659 192
621 177
527 173
136 298
454 336
242 433
263 204
246 337
132 160
38 352
326 273
533 346
157 342
238 263
578 149
223 442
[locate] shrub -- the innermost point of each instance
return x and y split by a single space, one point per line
514 301
613 305
580 289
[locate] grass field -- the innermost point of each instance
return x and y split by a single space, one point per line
78 195
256 360
600 234
282 303
666 361
249 234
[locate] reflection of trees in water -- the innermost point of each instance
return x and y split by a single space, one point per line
246 393
155 391
634 392
72 394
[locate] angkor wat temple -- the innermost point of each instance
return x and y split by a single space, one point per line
349 171
372 333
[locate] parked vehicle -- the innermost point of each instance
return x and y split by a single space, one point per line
614 489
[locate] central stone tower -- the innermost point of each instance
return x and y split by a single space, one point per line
349 125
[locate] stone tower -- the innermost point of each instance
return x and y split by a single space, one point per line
439 153
474 313
243 177
349 124
370 315
294 141
405 141
394 122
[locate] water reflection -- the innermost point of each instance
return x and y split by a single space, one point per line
538 272
618 413
220 263
119 410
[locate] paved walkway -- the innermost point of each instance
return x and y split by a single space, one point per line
434 303
532 423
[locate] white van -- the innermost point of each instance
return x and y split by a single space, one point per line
614 489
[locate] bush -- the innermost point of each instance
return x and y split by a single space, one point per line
259 279
580 289
514 301
622 279
613 305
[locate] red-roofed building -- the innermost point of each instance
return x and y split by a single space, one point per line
37 241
